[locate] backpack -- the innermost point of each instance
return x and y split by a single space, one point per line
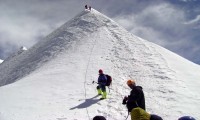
109 80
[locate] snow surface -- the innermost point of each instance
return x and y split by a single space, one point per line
1 61
53 79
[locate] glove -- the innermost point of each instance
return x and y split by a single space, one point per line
124 100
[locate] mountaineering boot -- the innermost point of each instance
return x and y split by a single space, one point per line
104 95
99 91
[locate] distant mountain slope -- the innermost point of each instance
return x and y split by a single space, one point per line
54 77
22 49
10 68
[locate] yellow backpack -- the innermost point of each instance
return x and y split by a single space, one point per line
139 114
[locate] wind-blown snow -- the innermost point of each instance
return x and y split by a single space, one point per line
1 61
54 77
22 49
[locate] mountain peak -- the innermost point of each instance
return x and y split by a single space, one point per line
59 70
82 25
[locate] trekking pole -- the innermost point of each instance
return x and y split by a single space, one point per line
127 116
109 87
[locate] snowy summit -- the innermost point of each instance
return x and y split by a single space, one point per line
53 79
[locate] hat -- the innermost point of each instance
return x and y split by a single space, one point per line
186 118
130 82
99 118
100 71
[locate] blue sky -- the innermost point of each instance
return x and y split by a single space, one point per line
173 24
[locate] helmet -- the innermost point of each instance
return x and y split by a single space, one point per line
130 82
186 118
99 118
100 71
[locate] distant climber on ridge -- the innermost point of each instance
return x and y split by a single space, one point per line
86 7
136 97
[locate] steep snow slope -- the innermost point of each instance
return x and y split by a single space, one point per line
16 53
11 67
55 76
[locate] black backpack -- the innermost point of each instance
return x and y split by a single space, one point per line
109 80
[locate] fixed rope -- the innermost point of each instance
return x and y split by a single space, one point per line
94 43
86 75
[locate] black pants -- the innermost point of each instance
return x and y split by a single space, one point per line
102 87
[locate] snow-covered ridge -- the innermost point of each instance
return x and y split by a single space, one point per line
61 39
54 77
21 49
1 61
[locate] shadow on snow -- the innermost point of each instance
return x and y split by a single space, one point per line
86 103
